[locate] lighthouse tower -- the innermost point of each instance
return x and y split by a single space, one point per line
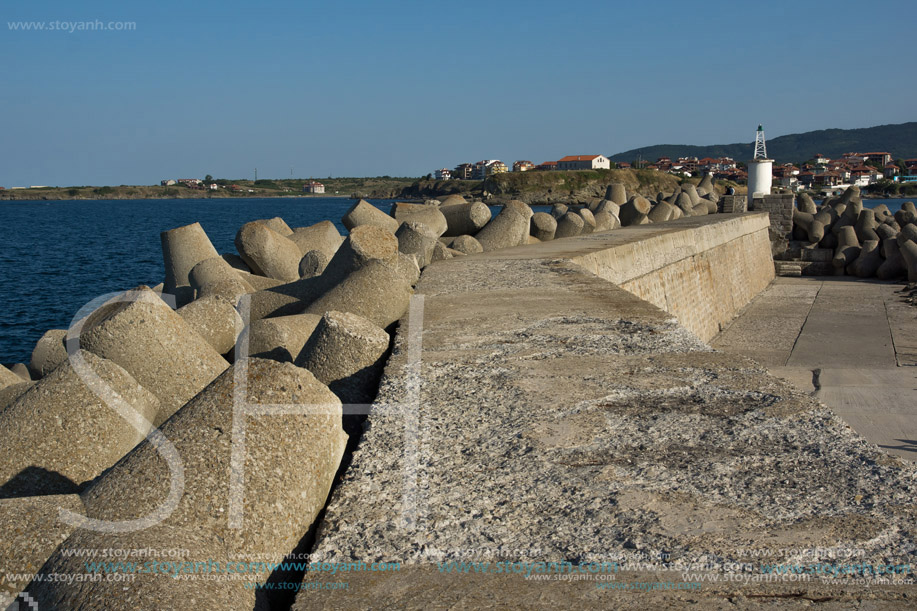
760 169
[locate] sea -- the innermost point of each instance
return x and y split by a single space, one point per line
57 256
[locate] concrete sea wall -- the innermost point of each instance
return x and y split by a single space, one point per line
703 273
702 270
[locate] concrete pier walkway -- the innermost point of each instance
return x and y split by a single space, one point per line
542 406
851 343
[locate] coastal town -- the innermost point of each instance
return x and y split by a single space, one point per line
820 173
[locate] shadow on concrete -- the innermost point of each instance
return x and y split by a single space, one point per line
907 445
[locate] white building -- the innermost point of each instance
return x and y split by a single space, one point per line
313 187
584 162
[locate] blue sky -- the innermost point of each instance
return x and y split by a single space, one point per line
373 88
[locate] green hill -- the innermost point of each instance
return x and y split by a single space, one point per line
900 140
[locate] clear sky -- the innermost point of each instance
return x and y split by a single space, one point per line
365 88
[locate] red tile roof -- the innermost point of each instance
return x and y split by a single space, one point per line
579 157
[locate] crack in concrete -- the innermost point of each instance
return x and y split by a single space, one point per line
802 328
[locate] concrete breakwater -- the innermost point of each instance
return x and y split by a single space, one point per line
505 316
842 237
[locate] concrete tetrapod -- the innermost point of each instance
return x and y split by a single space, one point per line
606 221
867 264
313 263
661 212
281 338
907 233
264 512
606 205
155 589
616 193
8 378
61 432
707 184
467 244
851 193
431 216
848 248
267 252
21 370
866 225
215 277
909 253
32 531
823 216
377 291
347 353
277 224
364 213
505 230
886 231
215 319
155 345
415 238
465 219
893 266
635 211
905 215
49 352
883 214
10 393
182 249
440 252
542 226
813 229
683 202
321 236
805 203
588 220
558 210
691 190
451 200
521 207
364 243
569 225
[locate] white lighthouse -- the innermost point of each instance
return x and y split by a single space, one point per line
760 169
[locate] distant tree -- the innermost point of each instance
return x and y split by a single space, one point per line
208 178
429 176
901 165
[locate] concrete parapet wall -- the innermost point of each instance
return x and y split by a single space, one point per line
706 290
703 272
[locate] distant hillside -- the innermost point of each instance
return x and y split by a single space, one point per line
899 140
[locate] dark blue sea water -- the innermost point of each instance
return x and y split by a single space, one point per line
59 255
